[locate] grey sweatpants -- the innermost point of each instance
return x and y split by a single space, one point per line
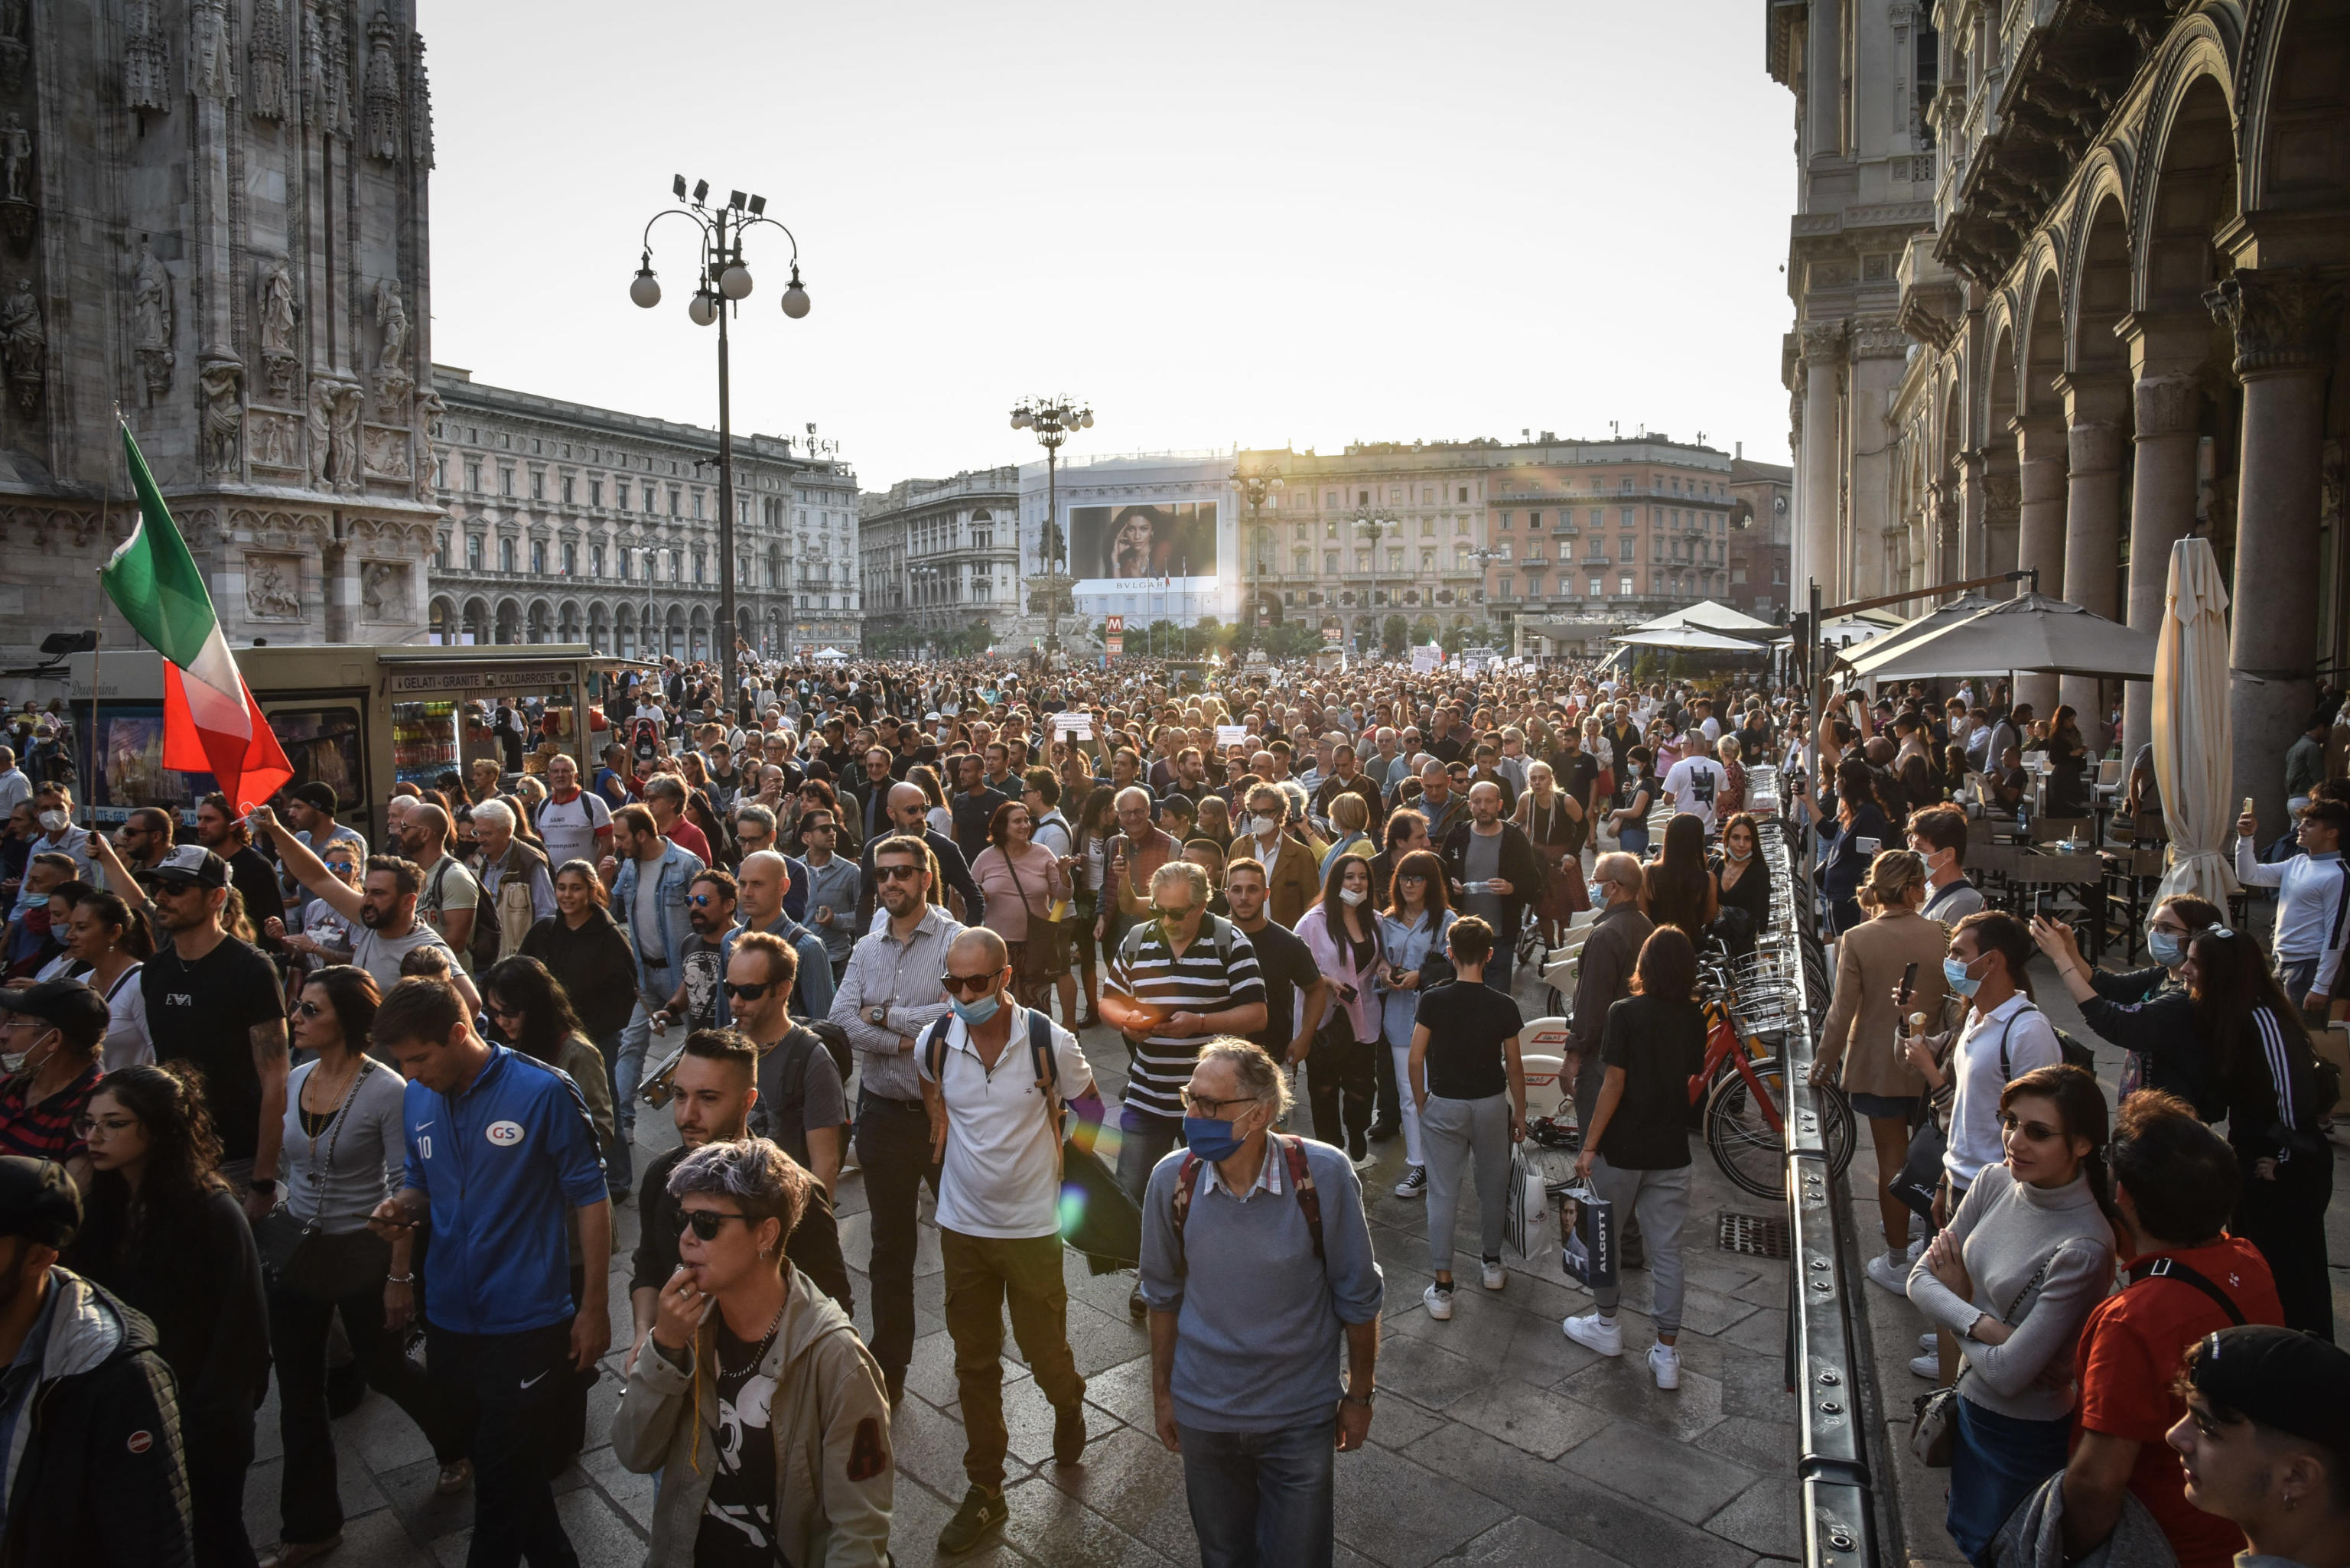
1450 1131
1660 1200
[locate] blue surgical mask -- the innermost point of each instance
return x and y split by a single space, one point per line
1597 893
976 1012
1954 975
1209 1138
2170 951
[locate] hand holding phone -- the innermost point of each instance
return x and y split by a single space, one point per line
1909 985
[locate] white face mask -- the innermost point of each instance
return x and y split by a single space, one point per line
56 821
14 1062
1353 895
1264 826
1741 860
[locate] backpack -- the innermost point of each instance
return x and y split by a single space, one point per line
1218 930
1041 1057
779 1117
481 947
1301 1182
2071 1051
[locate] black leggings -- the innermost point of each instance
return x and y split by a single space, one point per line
1341 1081
2285 1218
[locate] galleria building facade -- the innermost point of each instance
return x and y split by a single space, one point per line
2068 286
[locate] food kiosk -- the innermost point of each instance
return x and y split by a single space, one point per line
362 719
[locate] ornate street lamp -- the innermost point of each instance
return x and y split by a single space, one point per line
1373 525
724 280
1054 420
1255 485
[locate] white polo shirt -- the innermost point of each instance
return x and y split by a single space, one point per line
1002 1174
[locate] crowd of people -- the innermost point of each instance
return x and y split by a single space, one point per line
283 1101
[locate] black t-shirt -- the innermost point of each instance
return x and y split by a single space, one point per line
701 962
738 1521
204 1012
1466 1025
1660 1045
1574 772
1286 966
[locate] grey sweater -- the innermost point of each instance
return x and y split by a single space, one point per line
2007 1231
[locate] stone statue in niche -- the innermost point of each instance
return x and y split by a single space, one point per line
321 422
387 452
224 386
24 345
269 590
210 72
383 591
150 322
14 50
280 318
347 406
266 82
271 436
382 89
392 379
15 160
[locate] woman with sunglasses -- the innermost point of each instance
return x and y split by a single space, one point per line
162 1229
754 1399
2028 1254
343 1131
1412 931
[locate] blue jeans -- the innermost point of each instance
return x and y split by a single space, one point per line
2297 976
1504 960
1994 1465
1633 840
1262 1497
629 1062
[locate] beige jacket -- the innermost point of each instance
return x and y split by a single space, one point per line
830 1417
1863 1021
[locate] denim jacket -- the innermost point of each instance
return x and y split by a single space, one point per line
1408 948
677 869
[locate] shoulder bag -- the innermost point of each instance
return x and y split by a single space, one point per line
1045 956
1934 1418
303 1258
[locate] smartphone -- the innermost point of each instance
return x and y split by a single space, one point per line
1909 983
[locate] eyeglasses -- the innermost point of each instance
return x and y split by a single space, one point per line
704 1222
1415 876
1200 1104
87 1128
972 984
896 873
746 992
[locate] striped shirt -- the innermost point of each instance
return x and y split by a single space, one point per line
45 1131
1146 971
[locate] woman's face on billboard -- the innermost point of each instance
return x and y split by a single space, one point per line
1134 533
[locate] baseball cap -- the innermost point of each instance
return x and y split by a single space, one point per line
69 1005
192 863
2277 1378
37 1200
318 795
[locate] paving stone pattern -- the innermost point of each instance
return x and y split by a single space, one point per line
1497 1440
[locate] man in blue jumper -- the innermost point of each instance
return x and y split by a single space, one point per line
500 1154
1252 1277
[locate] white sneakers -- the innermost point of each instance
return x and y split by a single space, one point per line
1886 1274
1928 1367
1926 1341
1665 1365
1414 1183
1593 1332
1439 1302
1495 1276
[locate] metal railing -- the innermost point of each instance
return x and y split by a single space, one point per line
1824 1351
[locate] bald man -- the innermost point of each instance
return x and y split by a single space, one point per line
908 813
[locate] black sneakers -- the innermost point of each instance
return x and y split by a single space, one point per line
1069 1436
981 1512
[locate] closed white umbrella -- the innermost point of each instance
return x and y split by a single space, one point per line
2193 748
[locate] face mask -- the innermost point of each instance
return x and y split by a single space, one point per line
1597 893
1741 859
1264 826
56 821
14 1062
2169 950
1211 1138
976 1012
1352 895
1954 975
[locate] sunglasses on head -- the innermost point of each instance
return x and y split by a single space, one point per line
704 1222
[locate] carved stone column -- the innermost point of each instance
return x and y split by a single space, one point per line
2096 409
2162 508
2286 322
1817 530
2040 507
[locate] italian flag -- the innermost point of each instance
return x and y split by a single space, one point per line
211 723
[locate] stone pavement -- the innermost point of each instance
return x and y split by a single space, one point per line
1497 1440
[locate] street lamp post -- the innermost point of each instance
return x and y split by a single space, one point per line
1054 420
724 281
1255 485
1373 526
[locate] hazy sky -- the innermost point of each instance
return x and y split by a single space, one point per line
1263 222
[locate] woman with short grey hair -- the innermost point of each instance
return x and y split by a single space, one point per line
752 1397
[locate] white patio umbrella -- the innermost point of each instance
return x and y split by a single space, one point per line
2193 748
2030 631
1711 614
1688 639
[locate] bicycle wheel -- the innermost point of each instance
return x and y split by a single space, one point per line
1739 1134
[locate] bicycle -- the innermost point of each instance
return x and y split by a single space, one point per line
1744 1089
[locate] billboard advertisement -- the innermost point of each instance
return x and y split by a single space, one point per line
1112 544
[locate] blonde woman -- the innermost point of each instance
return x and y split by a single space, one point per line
1860 1045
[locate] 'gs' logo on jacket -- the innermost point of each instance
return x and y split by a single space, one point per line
503 1135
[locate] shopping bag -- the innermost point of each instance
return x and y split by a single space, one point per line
1588 1244
1525 1211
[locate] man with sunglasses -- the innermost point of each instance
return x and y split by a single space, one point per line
909 817
889 994
997 1122
709 911
712 1092
802 1106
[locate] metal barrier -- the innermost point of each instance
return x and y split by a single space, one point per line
1824 1354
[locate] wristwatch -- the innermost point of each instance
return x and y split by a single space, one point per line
878 1015
1364 1398
264 1184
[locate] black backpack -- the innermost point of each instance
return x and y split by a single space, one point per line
481 947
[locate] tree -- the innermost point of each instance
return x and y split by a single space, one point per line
1394 637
